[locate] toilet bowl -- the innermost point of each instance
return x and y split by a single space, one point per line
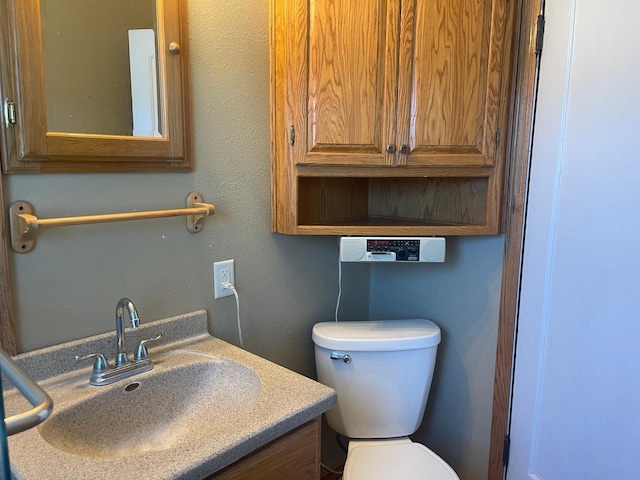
397 459
381 372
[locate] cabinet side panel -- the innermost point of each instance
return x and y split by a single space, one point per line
277 59
331 199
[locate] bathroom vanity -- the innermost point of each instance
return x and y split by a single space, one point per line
294 455
207 410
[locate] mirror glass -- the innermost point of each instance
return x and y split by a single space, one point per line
100 67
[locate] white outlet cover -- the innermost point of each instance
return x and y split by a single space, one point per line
219 290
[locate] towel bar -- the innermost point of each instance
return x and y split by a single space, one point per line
23 223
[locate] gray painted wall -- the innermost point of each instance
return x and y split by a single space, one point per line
67 288
462 296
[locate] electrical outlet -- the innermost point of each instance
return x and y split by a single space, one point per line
223 273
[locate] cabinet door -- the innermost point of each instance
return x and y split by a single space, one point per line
294 456
450 75
342 68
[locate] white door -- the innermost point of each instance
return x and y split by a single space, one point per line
576 403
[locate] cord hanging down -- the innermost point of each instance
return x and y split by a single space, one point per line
235 293
24 223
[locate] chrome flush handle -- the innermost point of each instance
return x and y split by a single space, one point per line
346 358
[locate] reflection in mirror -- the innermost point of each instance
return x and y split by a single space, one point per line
144 83
100 66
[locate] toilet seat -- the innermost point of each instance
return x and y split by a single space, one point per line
395 460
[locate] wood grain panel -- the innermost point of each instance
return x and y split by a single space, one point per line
7 327
451 85
328 200
383 171
175 78
294 456
399 227
459 201
27 44
345 101
448 43
393 201
525 63
326 99
83 146
345 87
7 148
276 105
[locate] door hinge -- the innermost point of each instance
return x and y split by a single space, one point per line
292 135
9 113
539 35
498 138
506 447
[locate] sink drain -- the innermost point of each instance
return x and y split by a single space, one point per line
132 386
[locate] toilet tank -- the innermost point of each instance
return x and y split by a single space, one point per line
381 372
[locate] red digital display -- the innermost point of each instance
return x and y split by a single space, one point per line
379 243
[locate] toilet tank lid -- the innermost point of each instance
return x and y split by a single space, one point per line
377 336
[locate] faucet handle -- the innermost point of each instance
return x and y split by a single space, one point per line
100 364
141 352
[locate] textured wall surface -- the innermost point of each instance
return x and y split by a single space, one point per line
463 297
68 286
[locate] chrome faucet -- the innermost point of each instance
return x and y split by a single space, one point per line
121 357
104 373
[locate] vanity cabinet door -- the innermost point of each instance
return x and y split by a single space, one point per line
294 456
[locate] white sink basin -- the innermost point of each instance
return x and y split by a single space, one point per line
155 410
205 404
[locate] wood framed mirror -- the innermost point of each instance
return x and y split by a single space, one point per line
58 117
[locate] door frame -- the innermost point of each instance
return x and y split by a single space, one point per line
525 71
7 326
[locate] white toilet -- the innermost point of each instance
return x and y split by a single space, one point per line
381 372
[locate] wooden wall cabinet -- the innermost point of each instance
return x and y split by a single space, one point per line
388 115
30 145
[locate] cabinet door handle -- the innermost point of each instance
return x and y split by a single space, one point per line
391 148
404 149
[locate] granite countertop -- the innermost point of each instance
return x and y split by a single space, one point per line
281 401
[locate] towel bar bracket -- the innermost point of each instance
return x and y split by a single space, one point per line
23 223
194 222
21 216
